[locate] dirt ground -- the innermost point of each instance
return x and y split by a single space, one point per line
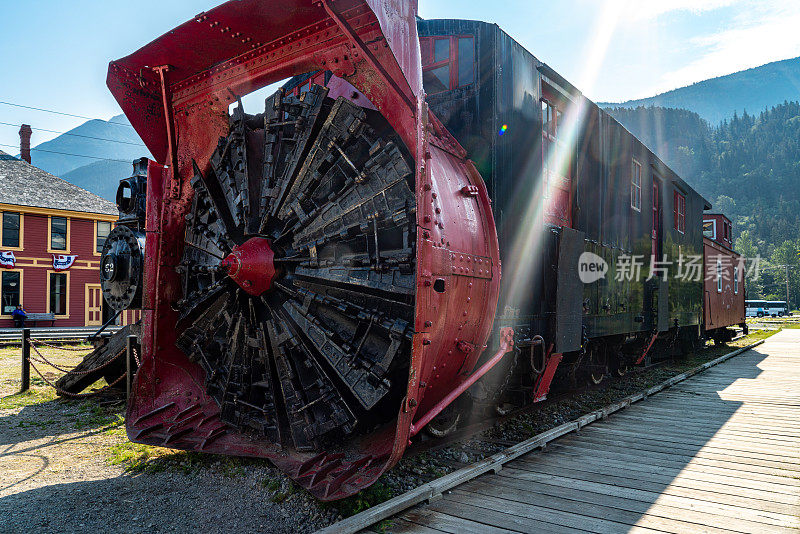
66 465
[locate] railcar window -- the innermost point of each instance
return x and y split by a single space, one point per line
466 61
679 212
710 229
636 185
735 279
436 80
548 124
719 276
441 50
447 62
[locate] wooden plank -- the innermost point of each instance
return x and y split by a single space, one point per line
751 456
743 430
746 409
708 413
108 359
598 457
496 461
571 477
592 451
735 462
742 447
607 506
444 522
632 487
673 505
622 434
526 518
714 446
402 526
623 468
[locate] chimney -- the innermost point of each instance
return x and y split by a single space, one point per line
25 142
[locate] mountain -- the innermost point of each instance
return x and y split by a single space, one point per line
114 139
101 177
717 99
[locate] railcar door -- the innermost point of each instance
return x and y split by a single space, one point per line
557 157
656 235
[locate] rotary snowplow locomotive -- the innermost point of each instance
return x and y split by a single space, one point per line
321 279
316 276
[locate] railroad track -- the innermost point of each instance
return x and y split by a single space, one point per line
51 335
497 452
429 443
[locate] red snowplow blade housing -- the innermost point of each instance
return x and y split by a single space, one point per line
176 92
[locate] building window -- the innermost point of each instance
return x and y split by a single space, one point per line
679 211
11 229
636 185
735 280
447 62
58 233
10 291
102 230
58 293
719 276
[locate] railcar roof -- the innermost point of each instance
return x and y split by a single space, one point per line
551 73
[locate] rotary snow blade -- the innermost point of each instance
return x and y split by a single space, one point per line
298 274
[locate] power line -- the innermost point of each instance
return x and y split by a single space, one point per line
68 154
62 113
75 135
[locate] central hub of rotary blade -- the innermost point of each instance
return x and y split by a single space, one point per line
251 265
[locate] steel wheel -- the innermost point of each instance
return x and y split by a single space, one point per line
598 365
445 423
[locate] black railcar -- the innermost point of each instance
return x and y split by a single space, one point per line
566 178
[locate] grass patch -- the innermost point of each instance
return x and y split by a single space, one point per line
366 498
31 397
281 496
752 337
139 458
271 484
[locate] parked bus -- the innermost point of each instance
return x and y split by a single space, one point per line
777 308
766 308
755 308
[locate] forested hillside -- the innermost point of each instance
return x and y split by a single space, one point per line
747 167
717 99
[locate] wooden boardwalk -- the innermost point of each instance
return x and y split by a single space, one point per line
719 452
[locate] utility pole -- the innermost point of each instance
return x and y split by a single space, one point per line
788 307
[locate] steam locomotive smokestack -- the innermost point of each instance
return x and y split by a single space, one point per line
25 142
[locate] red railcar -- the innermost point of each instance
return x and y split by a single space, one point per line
723 290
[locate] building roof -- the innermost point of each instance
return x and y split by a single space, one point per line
22 184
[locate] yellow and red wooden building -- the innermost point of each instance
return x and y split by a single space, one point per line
51 236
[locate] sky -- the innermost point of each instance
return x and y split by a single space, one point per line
55 54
